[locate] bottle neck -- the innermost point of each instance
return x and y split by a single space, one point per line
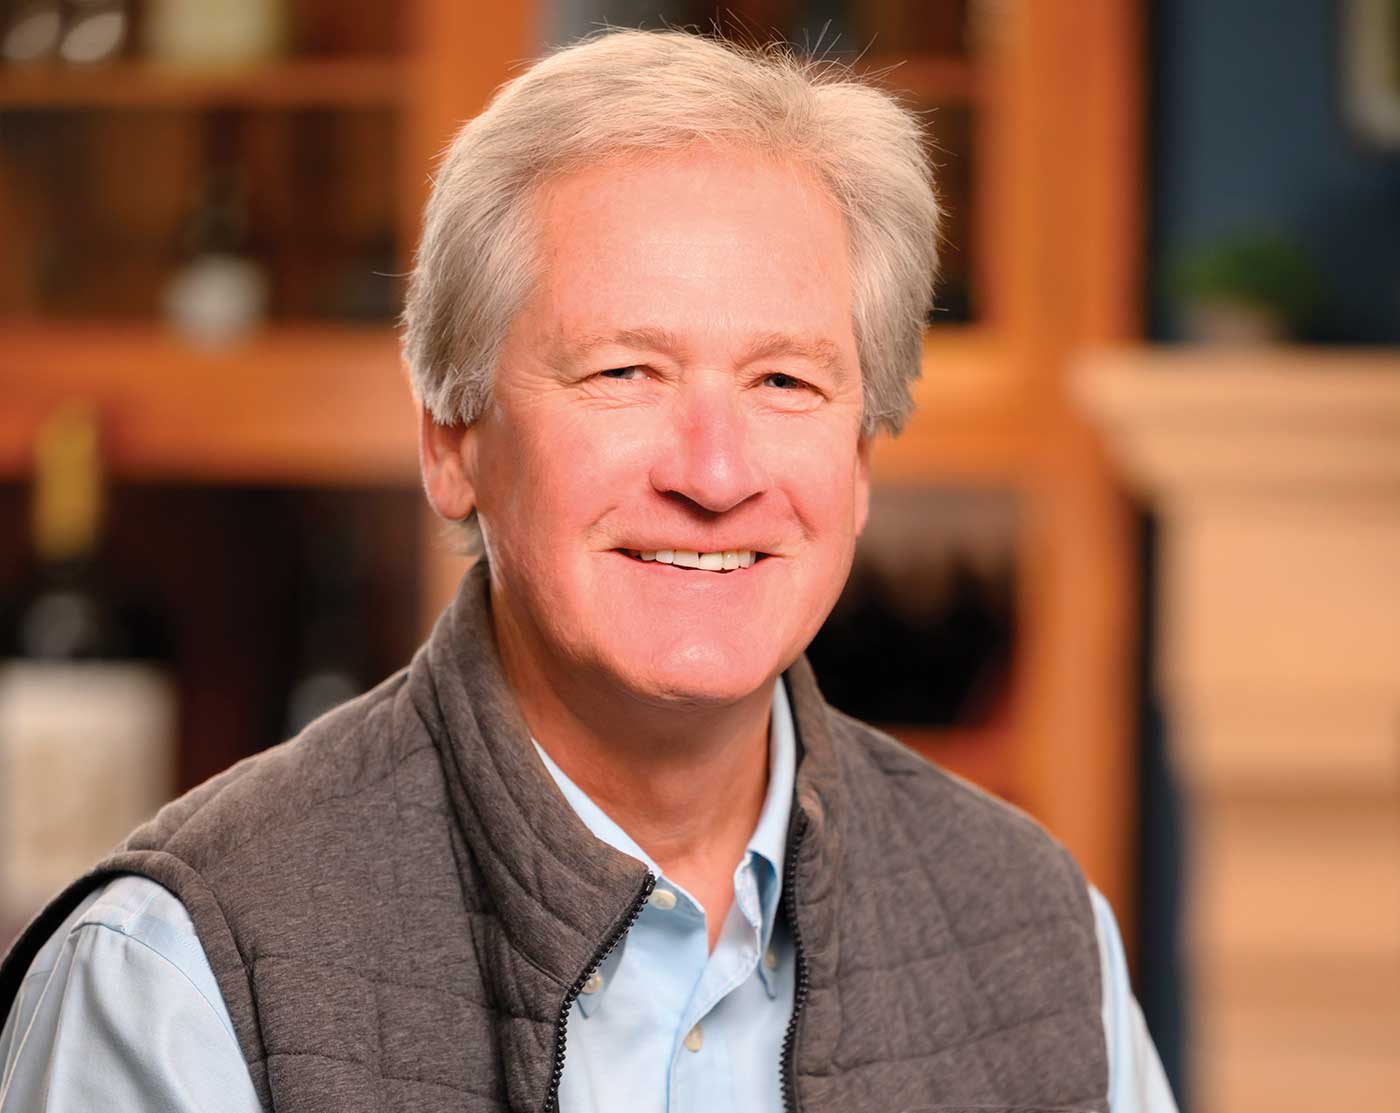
67 497
66 617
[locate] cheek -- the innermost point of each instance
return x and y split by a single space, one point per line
821 475
548 475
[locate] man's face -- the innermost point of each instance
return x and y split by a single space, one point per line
683 379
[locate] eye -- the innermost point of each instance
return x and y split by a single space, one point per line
621 373
784 382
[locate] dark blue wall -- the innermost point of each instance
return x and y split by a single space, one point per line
1249 131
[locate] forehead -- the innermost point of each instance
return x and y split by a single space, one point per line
705 239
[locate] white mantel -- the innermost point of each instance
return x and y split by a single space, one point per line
1275 473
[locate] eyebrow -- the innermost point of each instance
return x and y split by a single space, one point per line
819 351
647 336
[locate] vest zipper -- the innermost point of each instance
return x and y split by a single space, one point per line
561 1025
799 998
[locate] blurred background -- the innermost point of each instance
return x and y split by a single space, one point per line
1135 565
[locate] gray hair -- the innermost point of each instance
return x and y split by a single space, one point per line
626 92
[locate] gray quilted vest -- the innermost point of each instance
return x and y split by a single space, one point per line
400 907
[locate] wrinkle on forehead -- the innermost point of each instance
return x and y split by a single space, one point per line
623 267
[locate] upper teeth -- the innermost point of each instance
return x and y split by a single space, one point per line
725 561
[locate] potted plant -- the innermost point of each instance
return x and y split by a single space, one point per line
1249 288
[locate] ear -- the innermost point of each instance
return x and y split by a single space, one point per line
862 486
447 457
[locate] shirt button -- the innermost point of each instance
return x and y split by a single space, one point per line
594 983
663 899
770 959
694 1038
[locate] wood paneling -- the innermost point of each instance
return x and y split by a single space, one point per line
296 405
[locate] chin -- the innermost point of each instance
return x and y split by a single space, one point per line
700 675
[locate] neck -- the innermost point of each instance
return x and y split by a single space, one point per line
686 782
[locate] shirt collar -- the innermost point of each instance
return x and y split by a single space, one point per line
594 818
769 839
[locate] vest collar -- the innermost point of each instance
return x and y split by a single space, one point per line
559 891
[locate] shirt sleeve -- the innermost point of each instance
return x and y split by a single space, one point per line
1136 1081
120 1011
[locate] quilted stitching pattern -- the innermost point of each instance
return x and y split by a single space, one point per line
395 903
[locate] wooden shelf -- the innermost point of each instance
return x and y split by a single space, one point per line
966 372
312 404
968 423
315 83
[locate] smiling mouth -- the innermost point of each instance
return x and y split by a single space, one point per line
726 560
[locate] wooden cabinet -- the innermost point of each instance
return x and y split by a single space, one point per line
1037 111
1274 474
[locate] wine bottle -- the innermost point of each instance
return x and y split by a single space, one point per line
221 294
87 711
215 33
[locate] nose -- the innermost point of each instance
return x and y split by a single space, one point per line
712 460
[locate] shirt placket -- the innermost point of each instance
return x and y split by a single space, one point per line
702 1072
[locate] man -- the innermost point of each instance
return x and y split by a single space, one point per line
602 846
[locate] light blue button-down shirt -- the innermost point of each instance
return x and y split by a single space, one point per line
120 1009
667 1025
